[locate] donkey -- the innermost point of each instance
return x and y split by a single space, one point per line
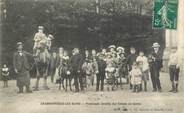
65 75
42 66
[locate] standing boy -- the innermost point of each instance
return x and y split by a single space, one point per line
174 69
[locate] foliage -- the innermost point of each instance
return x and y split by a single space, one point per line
76 23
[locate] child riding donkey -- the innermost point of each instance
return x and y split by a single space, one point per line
65 72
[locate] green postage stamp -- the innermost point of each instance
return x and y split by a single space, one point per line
165 14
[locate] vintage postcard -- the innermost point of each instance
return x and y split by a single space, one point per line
91 56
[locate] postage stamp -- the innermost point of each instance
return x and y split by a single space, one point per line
165 14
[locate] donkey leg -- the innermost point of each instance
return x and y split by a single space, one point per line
66 84
92 80
70 80
63 83
121 83
59 82
35 88
45 86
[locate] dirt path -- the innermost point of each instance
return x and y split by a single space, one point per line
120 101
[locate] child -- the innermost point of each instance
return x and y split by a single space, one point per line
39 39
110 72
5 75
65 71
144 66
95 65
122 68
136 77
49 41
87 70
174 69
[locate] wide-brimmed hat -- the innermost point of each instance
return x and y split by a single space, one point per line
51 36
76 49
112 46
120 48
40 27
109 54
19 43
156 45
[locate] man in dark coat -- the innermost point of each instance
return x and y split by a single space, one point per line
131 59
76 64
22 67
101 74
53 65
155 62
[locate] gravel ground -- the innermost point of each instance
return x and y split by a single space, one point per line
119 101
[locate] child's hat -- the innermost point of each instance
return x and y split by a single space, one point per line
40 27
51 36
112 46
19 43
120 48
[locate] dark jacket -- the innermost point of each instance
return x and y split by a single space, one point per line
22 66
20 63
101 66
156 60
130 60
53 62
76 62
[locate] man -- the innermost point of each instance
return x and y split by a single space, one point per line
94 65
155 67
21 67
103 53
101 74
174 69
76 64
53 65
131 59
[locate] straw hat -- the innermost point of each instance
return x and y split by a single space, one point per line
19 43
40 27
120 48
156 45
51 36
112 46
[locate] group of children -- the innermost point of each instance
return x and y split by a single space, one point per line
109 66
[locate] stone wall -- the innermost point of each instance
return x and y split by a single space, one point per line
175 38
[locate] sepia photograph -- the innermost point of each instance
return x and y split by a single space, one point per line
91 56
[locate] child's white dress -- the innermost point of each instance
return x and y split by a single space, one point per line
144 65
136 77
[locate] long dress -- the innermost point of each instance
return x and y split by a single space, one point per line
110 71
5 74
136 76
